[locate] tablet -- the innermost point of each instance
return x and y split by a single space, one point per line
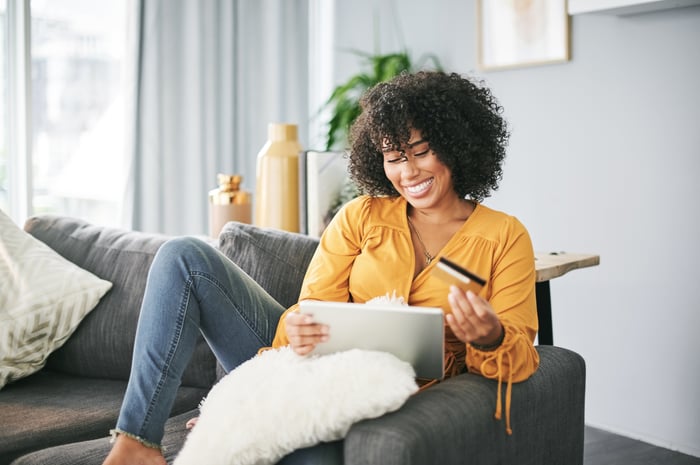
413 334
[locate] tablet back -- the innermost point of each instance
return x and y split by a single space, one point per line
413 334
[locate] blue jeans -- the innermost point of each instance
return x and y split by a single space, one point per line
191 288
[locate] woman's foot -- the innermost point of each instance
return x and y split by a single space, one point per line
129 451
191 422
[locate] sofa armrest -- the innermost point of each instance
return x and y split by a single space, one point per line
452 422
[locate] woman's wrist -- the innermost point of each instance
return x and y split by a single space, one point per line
492 345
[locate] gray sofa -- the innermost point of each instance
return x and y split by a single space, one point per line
62 414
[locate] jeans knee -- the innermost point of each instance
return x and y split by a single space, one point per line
181 250
181 245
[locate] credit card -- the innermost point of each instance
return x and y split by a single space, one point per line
453 274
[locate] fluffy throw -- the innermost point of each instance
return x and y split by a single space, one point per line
279 401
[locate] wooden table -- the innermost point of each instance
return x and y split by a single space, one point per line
549 266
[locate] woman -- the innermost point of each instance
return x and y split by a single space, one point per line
426 150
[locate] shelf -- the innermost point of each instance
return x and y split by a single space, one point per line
625 7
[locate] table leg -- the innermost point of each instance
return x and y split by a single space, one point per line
544 313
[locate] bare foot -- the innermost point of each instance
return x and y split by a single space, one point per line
191 422
128 451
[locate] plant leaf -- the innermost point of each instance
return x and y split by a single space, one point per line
344 101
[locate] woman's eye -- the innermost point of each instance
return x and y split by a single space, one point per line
420 154
394 157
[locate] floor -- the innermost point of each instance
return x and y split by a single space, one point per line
603 448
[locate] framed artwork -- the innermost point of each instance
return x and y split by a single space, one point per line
514 33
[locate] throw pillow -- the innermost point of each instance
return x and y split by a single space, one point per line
43 298
279 401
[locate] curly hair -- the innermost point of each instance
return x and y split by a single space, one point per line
460 119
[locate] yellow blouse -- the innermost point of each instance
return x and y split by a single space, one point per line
366 252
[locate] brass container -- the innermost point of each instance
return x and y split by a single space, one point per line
227 203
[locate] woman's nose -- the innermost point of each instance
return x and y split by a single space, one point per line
409 167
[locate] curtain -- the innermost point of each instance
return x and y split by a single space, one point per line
210 76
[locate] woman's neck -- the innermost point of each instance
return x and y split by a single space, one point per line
447 212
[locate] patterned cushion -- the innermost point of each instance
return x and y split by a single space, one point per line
42 300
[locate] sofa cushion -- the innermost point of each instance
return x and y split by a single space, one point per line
94 451
49 408
102 345
43 298
254 248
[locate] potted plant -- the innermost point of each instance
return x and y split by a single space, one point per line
344 102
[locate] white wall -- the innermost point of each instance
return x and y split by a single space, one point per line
604 158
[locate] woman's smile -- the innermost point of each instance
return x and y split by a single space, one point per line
417 189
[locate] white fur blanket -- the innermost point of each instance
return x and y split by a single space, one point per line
279 401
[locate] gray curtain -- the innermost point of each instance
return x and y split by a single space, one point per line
210 76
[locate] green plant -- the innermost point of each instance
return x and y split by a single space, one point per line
344 102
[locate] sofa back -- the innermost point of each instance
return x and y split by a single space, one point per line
102 345
277 260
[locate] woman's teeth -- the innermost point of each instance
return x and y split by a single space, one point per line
419 187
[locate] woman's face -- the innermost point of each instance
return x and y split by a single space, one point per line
417 173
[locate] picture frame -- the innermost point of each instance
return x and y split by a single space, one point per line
517 33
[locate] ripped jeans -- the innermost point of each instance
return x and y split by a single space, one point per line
191 288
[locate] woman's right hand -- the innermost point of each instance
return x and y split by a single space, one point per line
304 333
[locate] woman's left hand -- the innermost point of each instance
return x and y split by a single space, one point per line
473 319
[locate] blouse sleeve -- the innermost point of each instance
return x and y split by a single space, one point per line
512 296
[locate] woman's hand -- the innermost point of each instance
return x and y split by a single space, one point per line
473 319
303 333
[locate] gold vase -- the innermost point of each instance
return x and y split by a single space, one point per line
277 183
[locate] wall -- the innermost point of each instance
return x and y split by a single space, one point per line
604 158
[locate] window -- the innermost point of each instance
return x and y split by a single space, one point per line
77 127
4 205
78 121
